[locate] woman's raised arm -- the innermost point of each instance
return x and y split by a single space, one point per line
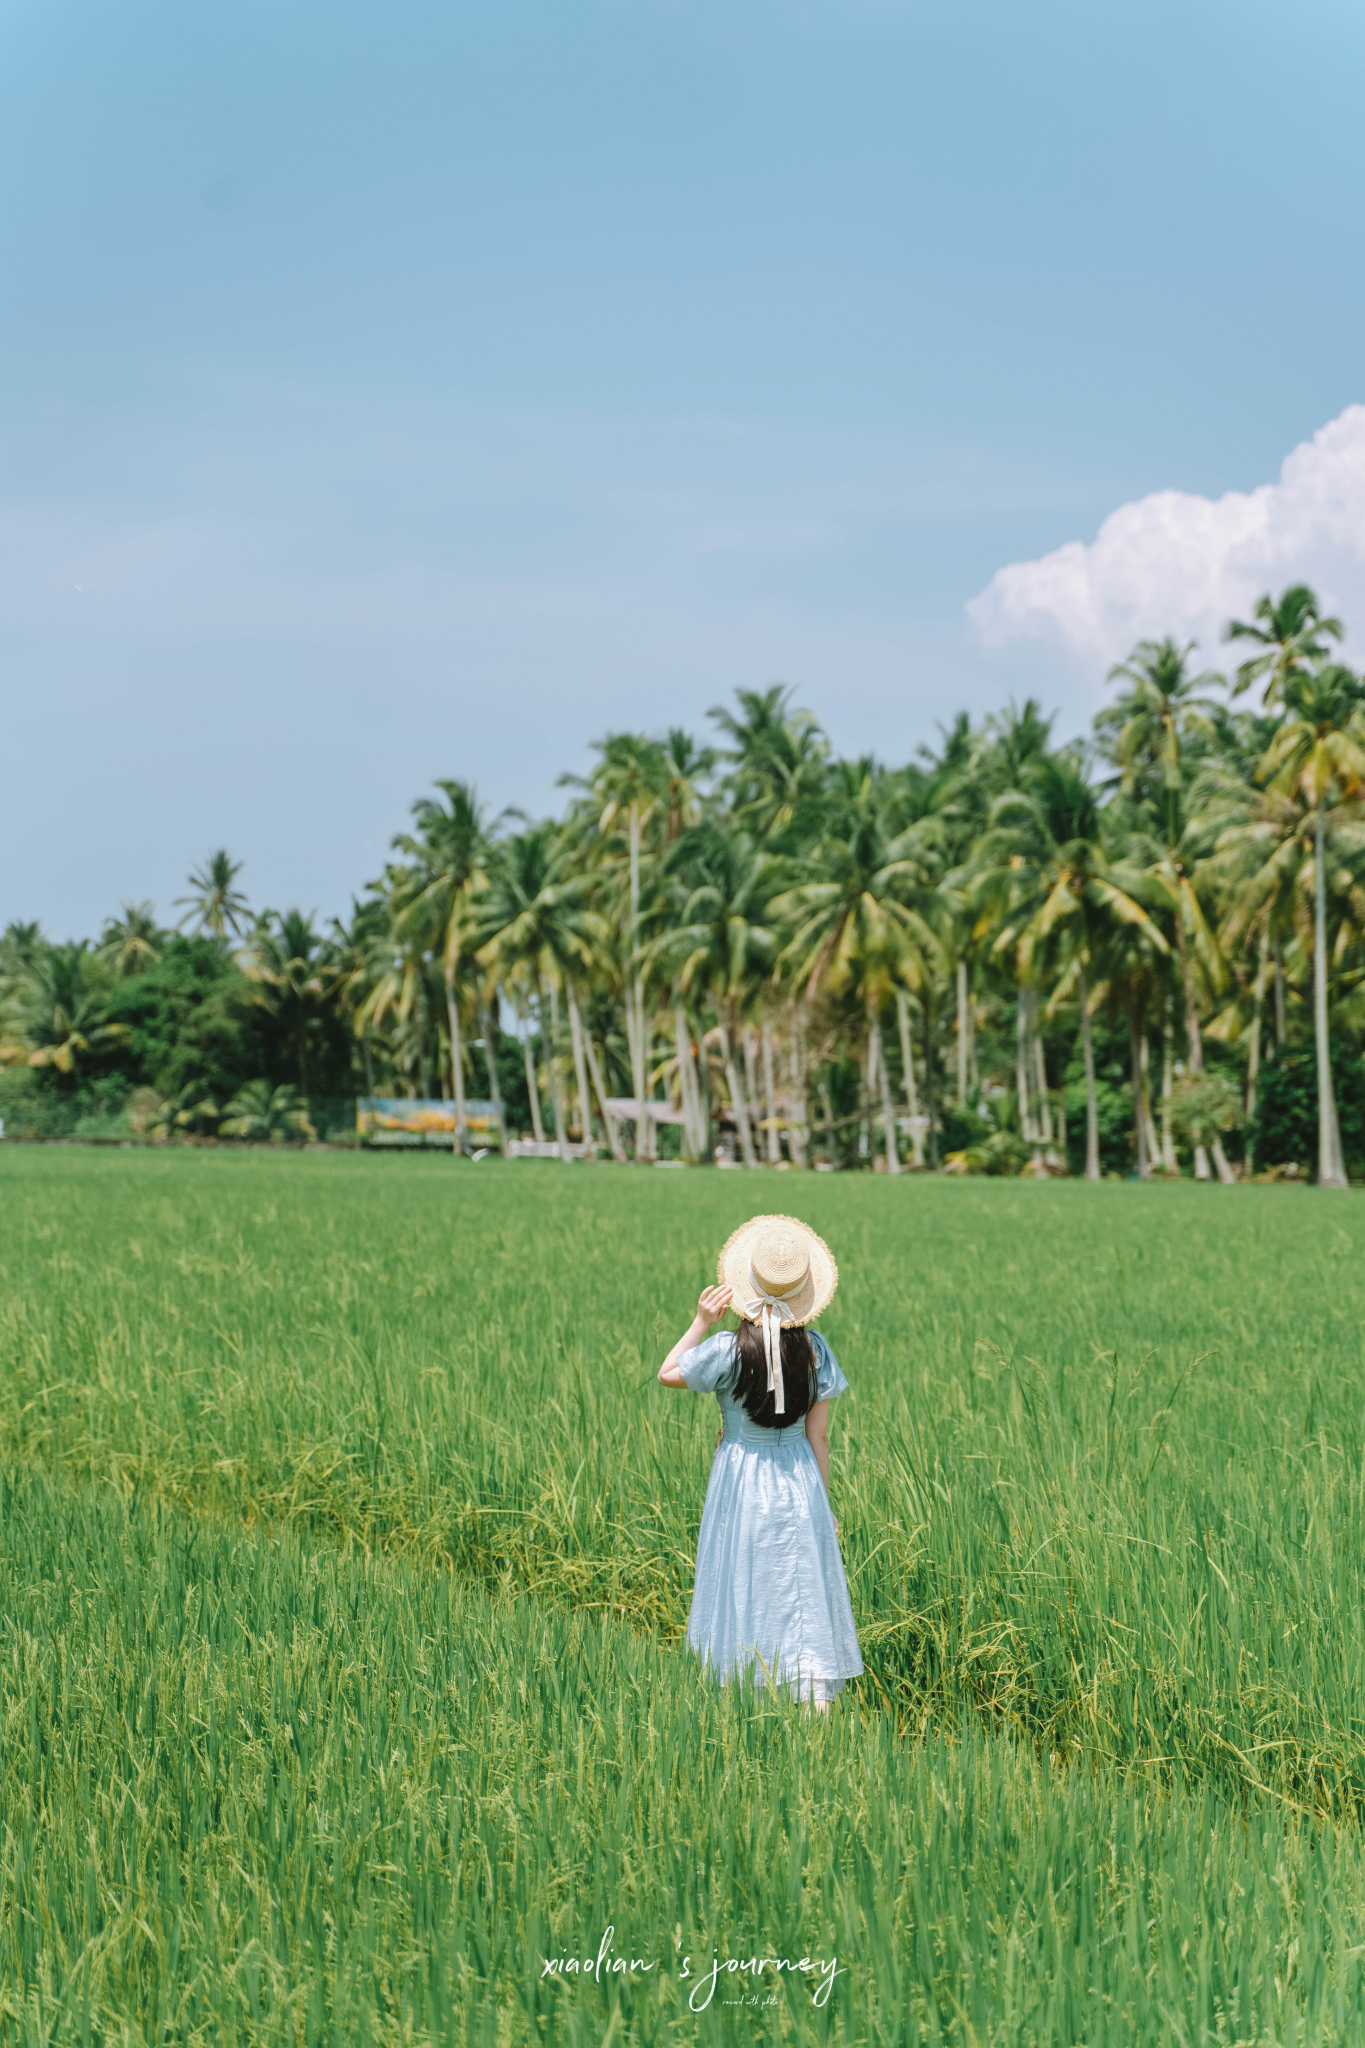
711 1306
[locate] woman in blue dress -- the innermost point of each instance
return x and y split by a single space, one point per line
770 1589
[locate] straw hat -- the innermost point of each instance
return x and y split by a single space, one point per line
778 1262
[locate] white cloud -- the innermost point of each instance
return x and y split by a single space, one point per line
1181 564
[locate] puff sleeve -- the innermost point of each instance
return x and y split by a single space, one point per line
706 1369
830 1382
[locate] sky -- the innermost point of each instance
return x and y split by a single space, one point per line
429 390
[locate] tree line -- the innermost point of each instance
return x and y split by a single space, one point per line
1138 952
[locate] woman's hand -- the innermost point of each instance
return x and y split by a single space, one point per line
712 1303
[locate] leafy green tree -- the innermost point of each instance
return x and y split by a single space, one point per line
1283 1127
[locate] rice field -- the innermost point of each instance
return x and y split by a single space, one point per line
345 1550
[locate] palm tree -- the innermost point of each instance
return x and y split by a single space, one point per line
449 854
634 782
1292 634
1147 733
215 905
361 954
780 766
1058 895
286 959
1320 751
864 924
536 934
63 1010
132 942
265 1114
721 942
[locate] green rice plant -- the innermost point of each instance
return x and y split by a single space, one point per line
258 1790
1099 1477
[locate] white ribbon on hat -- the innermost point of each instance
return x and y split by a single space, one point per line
771 1311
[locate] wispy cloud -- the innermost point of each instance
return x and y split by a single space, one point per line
1178 563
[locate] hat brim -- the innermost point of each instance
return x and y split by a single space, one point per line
816 1293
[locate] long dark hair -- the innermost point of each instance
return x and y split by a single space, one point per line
798 1376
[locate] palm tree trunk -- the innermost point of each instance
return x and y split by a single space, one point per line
1092 1112
490 1059
866 1082
579 1069
1153 1146
830 1145
618 1150
962 1029
1144 1165
1194 1043
1040 1068
456 1064
927 1006
893 1162
769 1098
1021 1051
908 1064
694 1138
644 1025
1254 1049
1331 1171
1279 996
796 1133
533 1091
552 1066
1167 1088
749 1076
737 1102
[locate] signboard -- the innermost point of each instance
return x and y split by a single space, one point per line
394 1120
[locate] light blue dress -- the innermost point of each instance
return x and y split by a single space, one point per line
770 1588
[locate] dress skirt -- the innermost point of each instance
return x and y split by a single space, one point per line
770 1591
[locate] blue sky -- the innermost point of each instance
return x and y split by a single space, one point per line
393 393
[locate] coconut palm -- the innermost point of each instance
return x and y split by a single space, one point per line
61 1011
1149 733
537 935
869 920
779 767
632 787
721 942
215 904
264 1114
1319 751
133 941
1292 633
287 961
1058 894
391 982
361 954
438 903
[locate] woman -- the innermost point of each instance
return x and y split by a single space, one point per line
770 1587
